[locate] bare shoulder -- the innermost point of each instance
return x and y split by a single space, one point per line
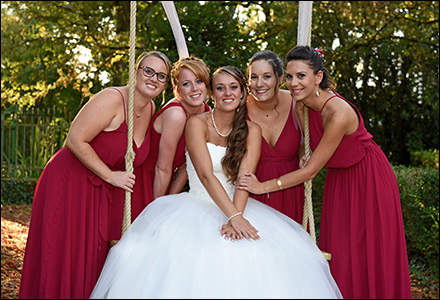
254 128
174 114
254 138
197 120
339 108
196 130
285 94
286 98
108 96
340 114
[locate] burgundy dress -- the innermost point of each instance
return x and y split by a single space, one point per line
74 215
143 189
277 161
361 222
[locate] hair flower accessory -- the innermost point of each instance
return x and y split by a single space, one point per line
321 53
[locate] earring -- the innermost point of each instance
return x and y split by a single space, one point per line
318 93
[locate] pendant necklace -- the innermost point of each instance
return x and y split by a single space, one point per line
215 126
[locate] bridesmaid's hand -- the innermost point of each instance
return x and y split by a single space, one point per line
303 162
229 232
243 228
122 180
250 183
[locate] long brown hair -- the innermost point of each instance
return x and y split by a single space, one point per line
236 148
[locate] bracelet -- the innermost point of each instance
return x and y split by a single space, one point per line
234 215
279 183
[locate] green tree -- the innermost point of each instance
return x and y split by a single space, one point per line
383 55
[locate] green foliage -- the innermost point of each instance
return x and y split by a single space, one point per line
387 52
29 137
317 195
17 191
419 192
425 159
383 55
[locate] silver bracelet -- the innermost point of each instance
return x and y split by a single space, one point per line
234 215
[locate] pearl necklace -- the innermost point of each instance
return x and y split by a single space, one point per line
215 126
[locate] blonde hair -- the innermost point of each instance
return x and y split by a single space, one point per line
157 54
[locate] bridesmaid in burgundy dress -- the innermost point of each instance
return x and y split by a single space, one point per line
273 110
79 199
164 171
361 222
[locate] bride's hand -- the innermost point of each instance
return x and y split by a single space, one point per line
243 228
229 232
250 183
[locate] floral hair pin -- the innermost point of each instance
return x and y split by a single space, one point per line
321 53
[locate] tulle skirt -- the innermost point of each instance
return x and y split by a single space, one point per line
174 250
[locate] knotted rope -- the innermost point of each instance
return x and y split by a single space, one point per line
129 156
304 37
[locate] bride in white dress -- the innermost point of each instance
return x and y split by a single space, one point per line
200 244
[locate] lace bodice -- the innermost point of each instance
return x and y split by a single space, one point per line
195 185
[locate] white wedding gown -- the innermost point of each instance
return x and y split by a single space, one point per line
174 250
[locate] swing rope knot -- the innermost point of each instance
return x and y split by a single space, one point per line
130 155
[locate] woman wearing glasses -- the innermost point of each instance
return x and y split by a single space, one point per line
164 171
79 199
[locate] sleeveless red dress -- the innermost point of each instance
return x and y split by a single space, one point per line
143 189
277 161
74 215
361 222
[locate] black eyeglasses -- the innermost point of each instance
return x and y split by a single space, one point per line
150 72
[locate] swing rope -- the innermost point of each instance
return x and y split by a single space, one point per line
304 38
183 52
129 156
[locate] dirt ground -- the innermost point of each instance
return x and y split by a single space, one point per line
15 224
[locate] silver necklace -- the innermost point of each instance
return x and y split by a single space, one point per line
215 126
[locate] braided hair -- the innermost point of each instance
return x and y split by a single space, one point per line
236 143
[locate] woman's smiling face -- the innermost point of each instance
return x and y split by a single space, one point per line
300 79
191 89
226 92
263 82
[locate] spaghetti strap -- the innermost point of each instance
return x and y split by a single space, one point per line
295 119
123 102
176 104
168 105
327 101
152 111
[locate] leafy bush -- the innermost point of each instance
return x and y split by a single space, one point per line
317 194
17 191
425 159
419 194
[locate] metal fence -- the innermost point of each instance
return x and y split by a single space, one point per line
29 137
